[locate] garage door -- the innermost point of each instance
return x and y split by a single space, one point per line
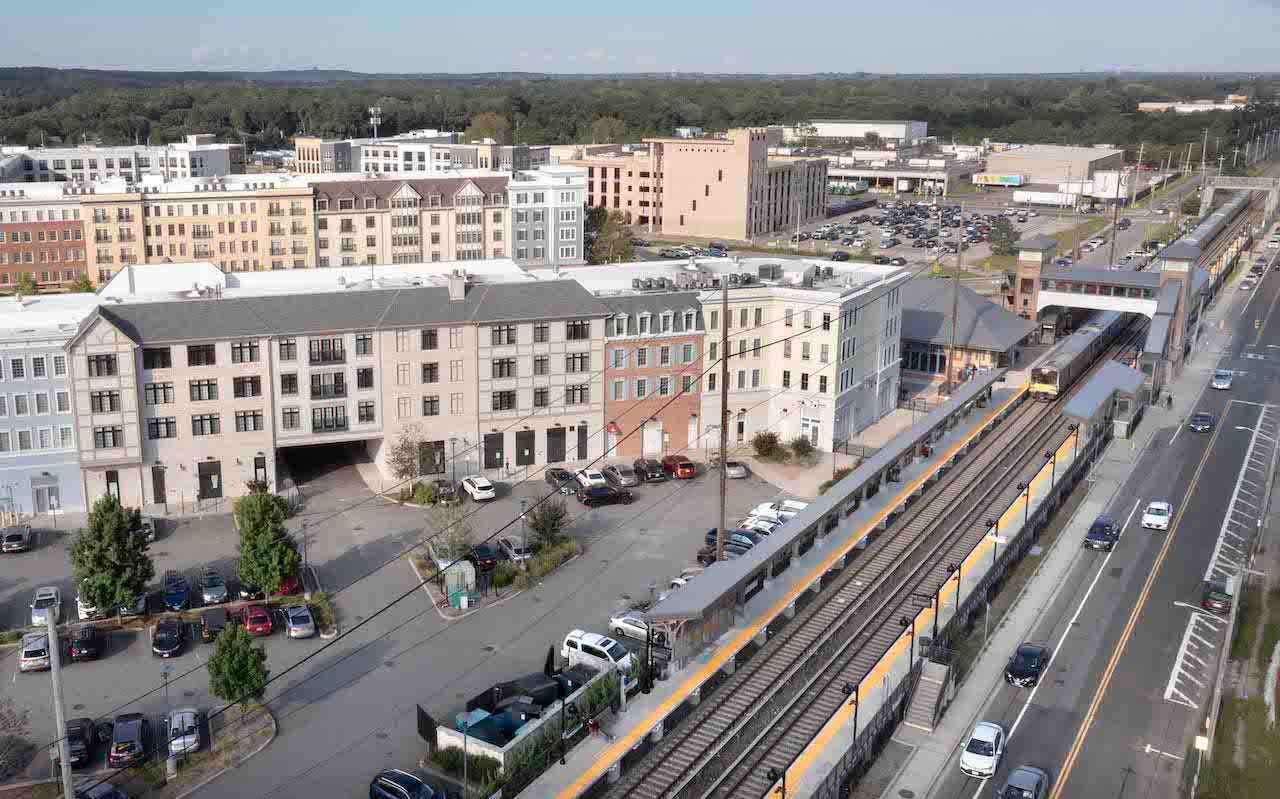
524 448
651 443
493 450
555 445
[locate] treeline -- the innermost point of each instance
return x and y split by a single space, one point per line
112 107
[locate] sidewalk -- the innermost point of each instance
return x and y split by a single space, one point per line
937 751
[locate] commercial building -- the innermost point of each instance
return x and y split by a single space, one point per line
242 223
894 132
199 156
315 156
426 151
1053 164
1233 102
41 234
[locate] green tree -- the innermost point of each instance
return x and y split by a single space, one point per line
447 526
83 284
109 556
1191 205
489 125
608 130
871 139
612 243
26 284
594 220
802 447
1004 237
268 556
404 455
546 523
238 668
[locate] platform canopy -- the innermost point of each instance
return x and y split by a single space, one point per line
1113 378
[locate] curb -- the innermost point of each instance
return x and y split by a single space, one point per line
275 730
15 786
325 635
440 611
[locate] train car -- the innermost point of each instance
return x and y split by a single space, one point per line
1055 373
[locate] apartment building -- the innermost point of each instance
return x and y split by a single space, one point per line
41 234
198 156
39 460
315 156
245 223
653 364
624 178
429 151
547 216
191 399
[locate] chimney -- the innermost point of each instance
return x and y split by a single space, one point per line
457 285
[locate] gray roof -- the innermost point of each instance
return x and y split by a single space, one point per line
1111 378
1110 277
1199 279
1180 251
725 578
357 309
1038 242
980 323
1167 300
1157 336
656 303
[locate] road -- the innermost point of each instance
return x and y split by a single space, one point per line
1125 692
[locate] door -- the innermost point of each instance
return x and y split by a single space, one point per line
652 435
809 429
610 443
555 444
524 448
47 499
210 479
691 437
113 483
431 457
742 427
493 450
582 442
260 469
158 493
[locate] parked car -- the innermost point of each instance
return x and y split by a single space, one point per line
631 624
513 549
17 538
257 621
679 467
590 478
1218 595
212 622
1222 379
744 539
1202 422
596 496
839 255
34 654
1124 224
670 252
176 594
1027 665
101 790
718 245
981 755
639 242
707 555
46 603
85 644
134 609
478 488
483 557
298 622
735 470
1103 534
899 261
561 480
129 734
80 740
183 725
649 470
1248 284
880 260
594 650
621 475
1157 515
1025 782
393 783
445 492
756 524
213 587
166 638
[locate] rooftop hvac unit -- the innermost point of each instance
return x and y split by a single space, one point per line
747 277
828 271
715 282
734 278
648 283
770 271
637 283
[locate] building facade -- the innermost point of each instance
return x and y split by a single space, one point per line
198 156
547 216
41 234
1053 164
315 156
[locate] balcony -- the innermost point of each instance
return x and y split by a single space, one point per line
276 230
297 211
202 234
102 238
127 237
298 249
348 248
298 230
328 391
277 252
330 425
275 212
347 227
329 356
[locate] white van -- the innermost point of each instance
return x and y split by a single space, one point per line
595 650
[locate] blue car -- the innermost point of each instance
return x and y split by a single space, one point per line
177 593
396 784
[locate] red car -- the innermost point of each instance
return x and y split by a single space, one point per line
257 620
288 586
679 467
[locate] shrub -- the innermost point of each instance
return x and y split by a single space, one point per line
424 494
322 609
766 444
802 447
836 477
547 522
550 557
506 573
482 770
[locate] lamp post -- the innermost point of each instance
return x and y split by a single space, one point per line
937 610
775 774
453 459
1026 505
911 631
993 530
164 674
1074 427
305 561
1052 457
955 567
852 691
524 536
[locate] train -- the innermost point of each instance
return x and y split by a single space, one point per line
1055 373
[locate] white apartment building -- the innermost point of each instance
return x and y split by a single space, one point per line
198 156
547 216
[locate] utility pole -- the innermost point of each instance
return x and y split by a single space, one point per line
1204 147
59 713
721 534
1235 152
1133 181
955 312
1221 158
1115 221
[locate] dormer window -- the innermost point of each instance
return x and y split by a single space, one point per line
667 318
370 202
322 204
644 324
688 321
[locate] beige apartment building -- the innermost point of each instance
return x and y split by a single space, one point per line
241 223
190 400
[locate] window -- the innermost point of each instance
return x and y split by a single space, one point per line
664 356
786 379
541 333
103 438
504 400
288 349
742 317
664 386
688 383
804 350
20 405
246 386
430 373
688 352
330 418
165 427
642 356
577 394
618 358
364 411
642 388
24 440
502 334
64 437
402 374
159 393
742 378
326 350
156 358
99 366
578 362
62 401
541 397
804 381
202 390
104 401
42 402
826 321
789 318
18 367
291 418
244 351
822 384
455 372
364 343
59 365
201 355
364 377
786 348
542 364
456 404
455 338
504 367
579 330
431 405
430 339
711 381
618 390
38 367
289 384
712 348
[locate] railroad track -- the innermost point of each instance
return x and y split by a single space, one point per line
769 710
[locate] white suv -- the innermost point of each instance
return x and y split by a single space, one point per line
595 650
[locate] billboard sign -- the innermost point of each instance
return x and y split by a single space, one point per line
991 179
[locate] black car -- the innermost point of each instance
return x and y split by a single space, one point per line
743 539
604 495
1027 665
80 739
396 784
839 256
1202 422
129 735
707 554
1103 534
85 644
882 260
899 261
212 622
445 492
561 480
248 591
484 557
649 470
166 641
177 593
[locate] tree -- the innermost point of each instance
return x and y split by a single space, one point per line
546 523
612 243
404 455
83 284
802 447
238 668
16 750
1004 237
448 528
871 139
109 556
489 125
1191 205
765 443
608 130
26 284
268 556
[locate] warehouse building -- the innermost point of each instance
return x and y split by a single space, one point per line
1053 163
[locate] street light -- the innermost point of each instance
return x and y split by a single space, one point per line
1074 427
774 775
453 459
955 567
911 631
524 536
1052 457
1026 506
852 691
993 530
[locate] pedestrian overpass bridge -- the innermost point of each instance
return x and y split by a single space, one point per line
1103 290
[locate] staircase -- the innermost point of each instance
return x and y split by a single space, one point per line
927 701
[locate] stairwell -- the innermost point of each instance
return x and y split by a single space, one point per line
927 700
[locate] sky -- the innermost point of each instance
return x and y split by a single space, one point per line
720 36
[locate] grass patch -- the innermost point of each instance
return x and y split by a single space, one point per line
545 562
10 636
1270 635
836 476
1222 778
1246 624
1078 234
322 609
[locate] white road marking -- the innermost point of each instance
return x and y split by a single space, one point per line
1216 557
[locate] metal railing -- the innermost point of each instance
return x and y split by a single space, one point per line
327 392
329 356
330 425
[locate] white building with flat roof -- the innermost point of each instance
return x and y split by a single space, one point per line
199 155
901 132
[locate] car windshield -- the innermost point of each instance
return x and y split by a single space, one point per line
1157 510
616 651
1014 792
37 651
979 747
213 580
1222 375
45 602
1027 658
14 537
